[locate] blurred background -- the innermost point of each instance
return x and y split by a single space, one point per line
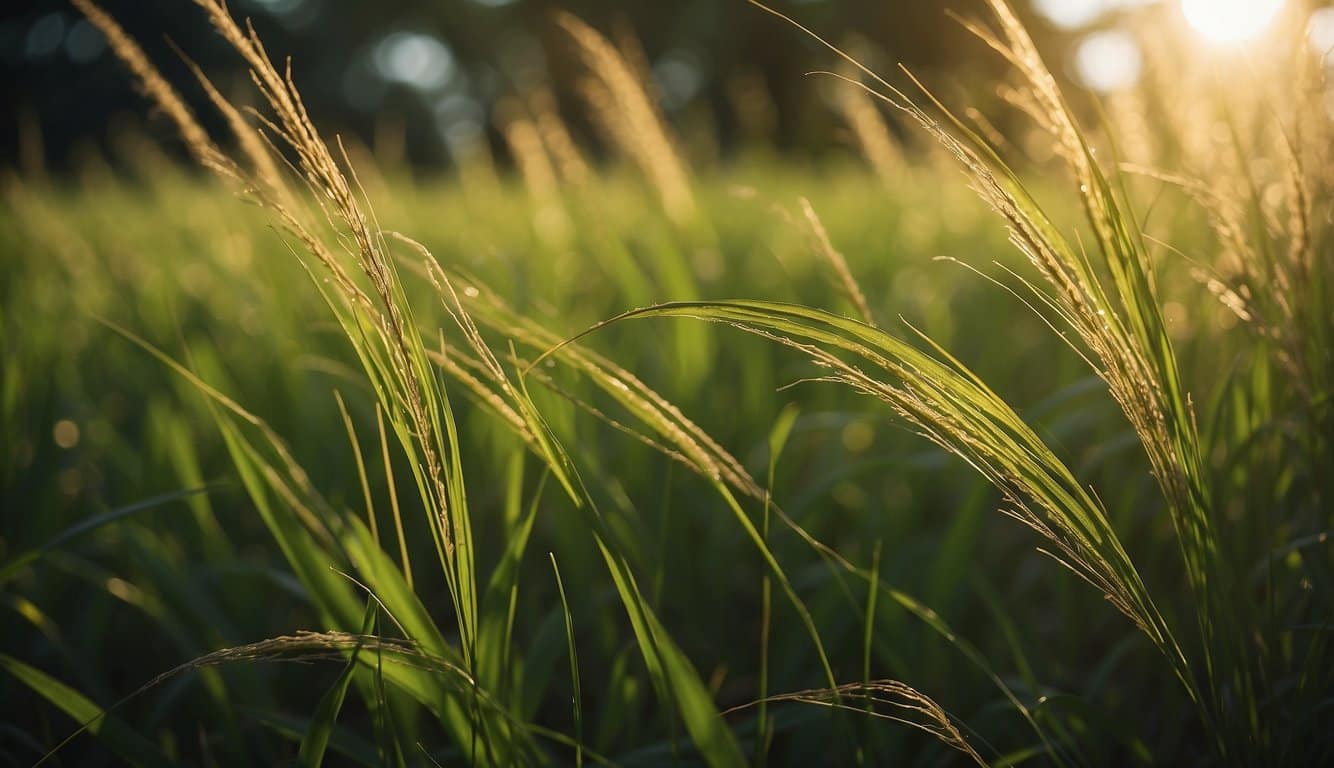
98 440
422 79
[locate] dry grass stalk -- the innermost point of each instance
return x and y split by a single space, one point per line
252 143
902 704
621 104
156 88
538 172
556 137
872 134
1127 337
325 177
826 251
334 194
684 440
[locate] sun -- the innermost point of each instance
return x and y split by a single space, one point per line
1230 21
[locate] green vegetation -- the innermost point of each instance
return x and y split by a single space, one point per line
244 419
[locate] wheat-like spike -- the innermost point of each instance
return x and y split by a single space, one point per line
627 114
874 139
538 171
917 709
326 179
826 251
156 88
557 139
332 192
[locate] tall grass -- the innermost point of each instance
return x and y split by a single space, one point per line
465 399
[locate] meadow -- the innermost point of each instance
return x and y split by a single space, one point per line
950 448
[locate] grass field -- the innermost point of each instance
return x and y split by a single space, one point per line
243 422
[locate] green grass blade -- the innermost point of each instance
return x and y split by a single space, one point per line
91 523
673 674
316 740
574 664
132 747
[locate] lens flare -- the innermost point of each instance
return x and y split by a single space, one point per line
1230 21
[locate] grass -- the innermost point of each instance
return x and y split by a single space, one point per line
214 465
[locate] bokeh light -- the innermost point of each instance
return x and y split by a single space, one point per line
1230 21
84 43
414 58
1320 33
1071 14
45 36
1077 14
1108 61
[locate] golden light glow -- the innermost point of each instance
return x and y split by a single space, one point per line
1230 21
1108 61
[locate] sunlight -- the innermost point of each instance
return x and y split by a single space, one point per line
1230 21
